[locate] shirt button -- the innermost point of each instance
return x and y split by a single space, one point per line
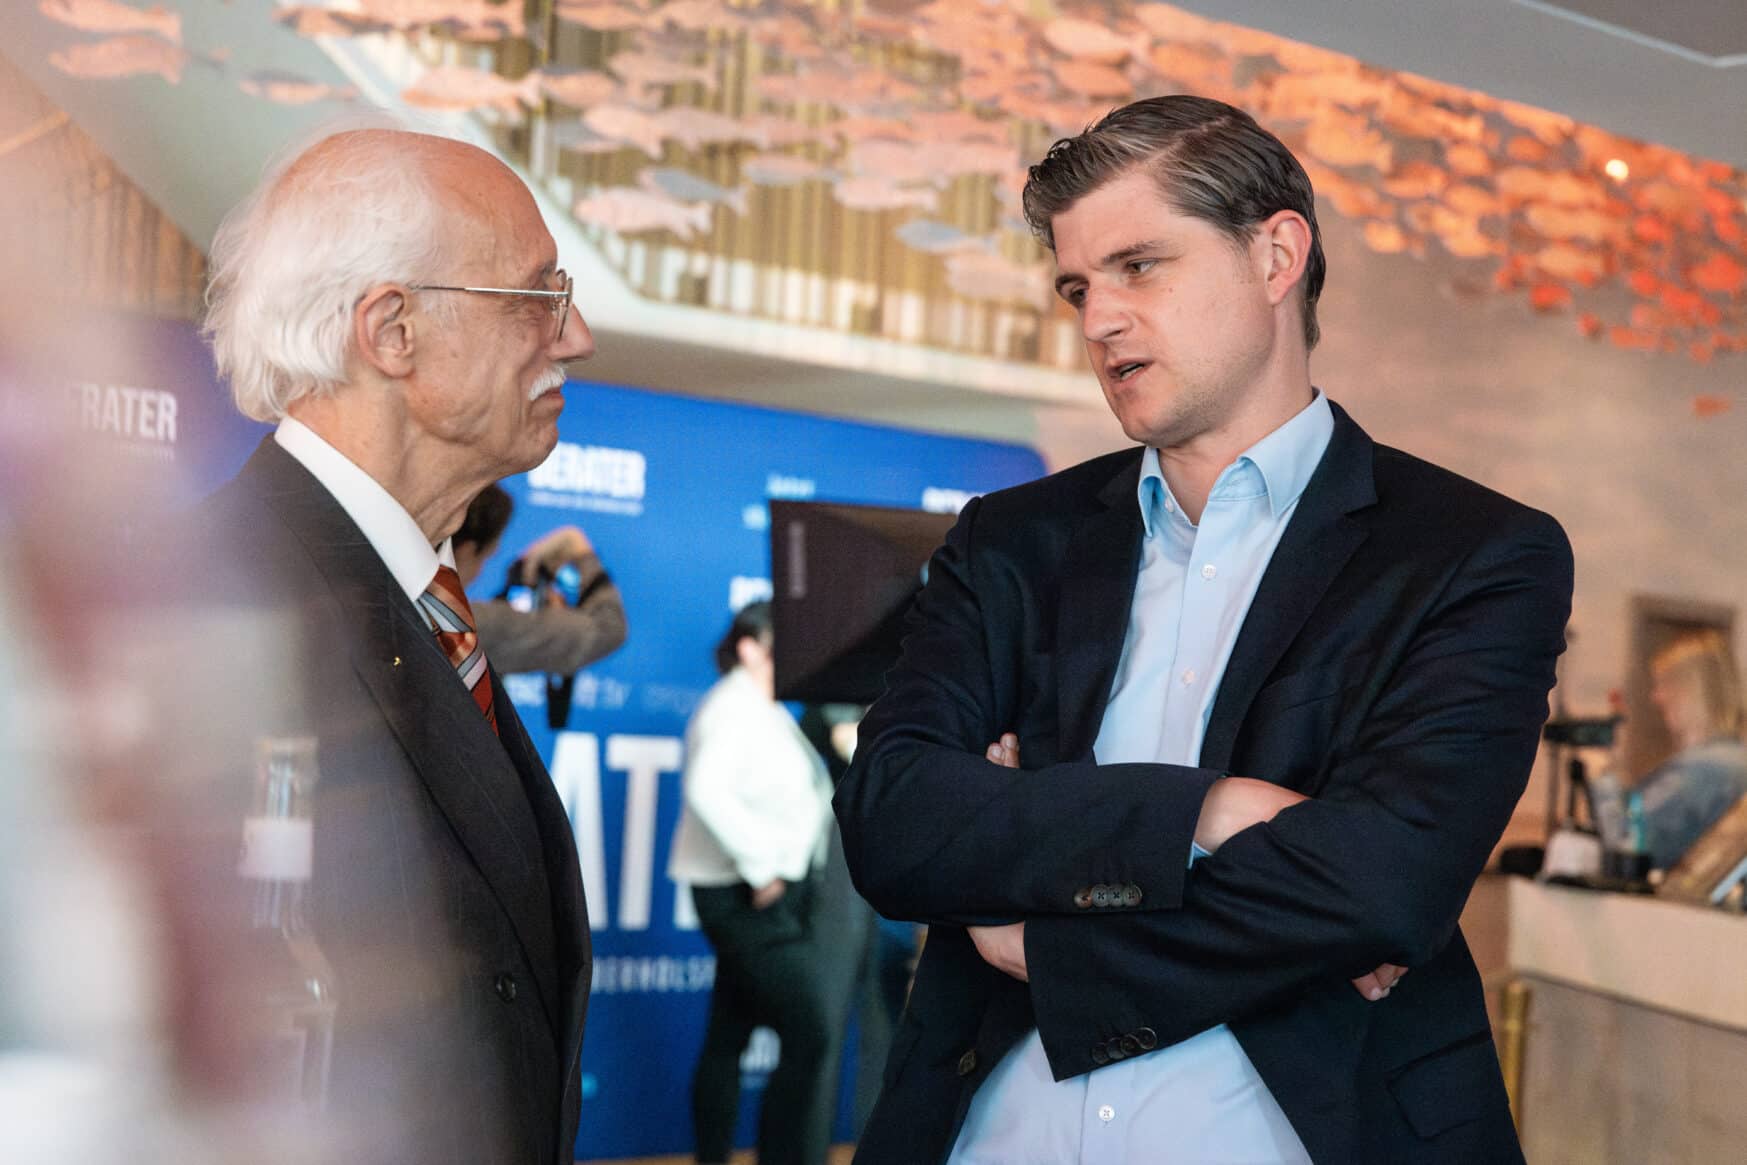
1188 676
1106 1113
1209 571
1170 506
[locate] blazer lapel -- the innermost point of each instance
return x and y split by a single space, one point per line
1098 576
462 763
1318 541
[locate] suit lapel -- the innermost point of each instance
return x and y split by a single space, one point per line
1103 557
1318 541
464 766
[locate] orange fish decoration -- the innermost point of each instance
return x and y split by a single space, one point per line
1090 79
1386 237
1644 283
1634 339
1719 273
1469 160
133 55
112 16
1549 297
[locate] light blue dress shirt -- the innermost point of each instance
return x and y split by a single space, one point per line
1201 1101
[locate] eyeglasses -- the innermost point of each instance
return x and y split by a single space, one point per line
560 300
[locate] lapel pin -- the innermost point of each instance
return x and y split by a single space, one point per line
397 661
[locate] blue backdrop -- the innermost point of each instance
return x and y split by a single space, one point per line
673 492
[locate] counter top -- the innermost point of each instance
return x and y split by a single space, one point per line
1684 959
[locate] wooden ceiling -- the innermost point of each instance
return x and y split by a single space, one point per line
76 224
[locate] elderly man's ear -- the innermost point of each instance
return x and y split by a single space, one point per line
383 330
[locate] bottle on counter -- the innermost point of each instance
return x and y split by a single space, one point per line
291 976
1609 799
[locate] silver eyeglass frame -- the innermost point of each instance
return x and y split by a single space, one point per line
561 300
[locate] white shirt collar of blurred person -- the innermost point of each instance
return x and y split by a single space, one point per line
387 526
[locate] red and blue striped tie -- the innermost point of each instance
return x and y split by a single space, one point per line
445 606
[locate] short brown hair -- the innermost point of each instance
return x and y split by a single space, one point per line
487 516
1211 161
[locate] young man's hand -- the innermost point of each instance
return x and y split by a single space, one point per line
554 549
1003 948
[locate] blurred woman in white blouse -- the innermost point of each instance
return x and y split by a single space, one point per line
753 832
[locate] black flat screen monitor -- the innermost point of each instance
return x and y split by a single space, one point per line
843 578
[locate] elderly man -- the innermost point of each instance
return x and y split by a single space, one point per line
1262 695
393 301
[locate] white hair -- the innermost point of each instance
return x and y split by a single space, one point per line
291 261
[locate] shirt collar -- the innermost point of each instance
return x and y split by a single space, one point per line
384 522
1285 459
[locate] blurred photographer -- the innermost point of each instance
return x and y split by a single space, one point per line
558 633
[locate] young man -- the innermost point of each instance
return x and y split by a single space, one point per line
1271 691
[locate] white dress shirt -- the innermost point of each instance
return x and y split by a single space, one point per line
757 797
386 525
1201 1101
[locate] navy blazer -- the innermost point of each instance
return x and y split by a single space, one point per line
1394 667
446 891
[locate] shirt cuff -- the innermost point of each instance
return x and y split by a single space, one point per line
1196 853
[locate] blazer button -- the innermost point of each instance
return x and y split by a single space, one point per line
967 1063
1100 1054
1149 1039
506 988
1083 897
1130 1045
1114 1047
1131 895
1100 895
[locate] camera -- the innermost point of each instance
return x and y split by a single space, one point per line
1581 731
527 594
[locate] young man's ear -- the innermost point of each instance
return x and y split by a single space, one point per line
382 328
1287 236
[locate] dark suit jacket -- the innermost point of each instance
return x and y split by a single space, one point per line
446 892
1394 666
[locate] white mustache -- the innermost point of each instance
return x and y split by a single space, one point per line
550 379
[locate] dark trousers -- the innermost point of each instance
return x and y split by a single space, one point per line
767 972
